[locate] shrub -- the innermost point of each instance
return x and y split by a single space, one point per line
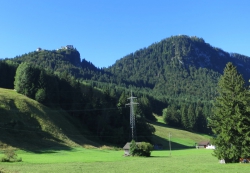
144 149
140 149
10 156
133 148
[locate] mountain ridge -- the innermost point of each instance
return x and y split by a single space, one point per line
169 65
180 52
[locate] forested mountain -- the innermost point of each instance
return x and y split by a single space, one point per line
61 61
176 77
180 67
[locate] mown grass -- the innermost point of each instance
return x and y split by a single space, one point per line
180 139
95 160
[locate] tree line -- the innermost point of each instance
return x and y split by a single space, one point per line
188 116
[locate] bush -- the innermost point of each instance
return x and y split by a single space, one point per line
144 149
140 149
10 156
133 148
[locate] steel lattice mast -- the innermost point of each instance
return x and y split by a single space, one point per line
132 116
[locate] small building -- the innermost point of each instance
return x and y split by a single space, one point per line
67 47
127 148
38 49
202 144
210 147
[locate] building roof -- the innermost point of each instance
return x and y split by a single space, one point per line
127 145
204 143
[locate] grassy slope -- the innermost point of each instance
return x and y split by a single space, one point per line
180 139
26 124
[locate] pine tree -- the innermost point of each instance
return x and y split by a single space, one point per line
231 117
184 118
133 148
191 117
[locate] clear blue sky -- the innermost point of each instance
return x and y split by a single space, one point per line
104 31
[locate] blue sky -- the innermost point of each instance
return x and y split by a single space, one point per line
104 31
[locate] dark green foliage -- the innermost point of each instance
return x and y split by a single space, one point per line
144 149
175 67
61 61
191 117
142 127
184 117
141 149
146 107
188 116
133 148
172 116
201 120
26 80
231 119
40 95
7 74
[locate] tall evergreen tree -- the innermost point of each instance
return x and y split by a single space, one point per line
191 117
231 117
26 79
184 118
172 116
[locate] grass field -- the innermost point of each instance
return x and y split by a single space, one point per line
96 160
30 126
180 139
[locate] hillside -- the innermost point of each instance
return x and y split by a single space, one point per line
61 61
180 67
180 139
27 124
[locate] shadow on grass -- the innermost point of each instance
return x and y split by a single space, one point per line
166 146
21 130
162 125
24 128
160 157
30 142
167 126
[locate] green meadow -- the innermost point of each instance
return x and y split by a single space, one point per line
98 160
46 128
